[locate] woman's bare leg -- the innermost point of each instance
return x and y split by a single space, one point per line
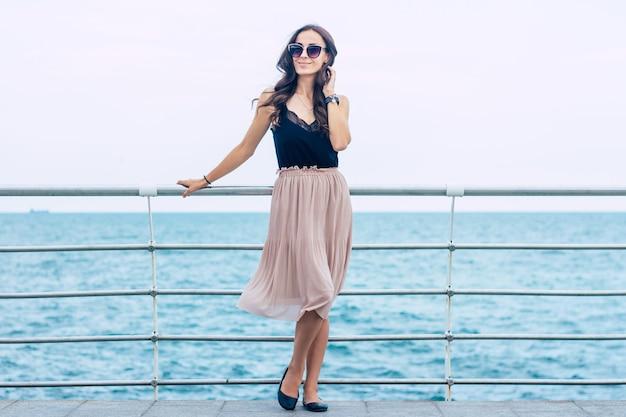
314 361
307 330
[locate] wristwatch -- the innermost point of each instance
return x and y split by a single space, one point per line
332 98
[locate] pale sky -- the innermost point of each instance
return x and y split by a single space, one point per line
480 93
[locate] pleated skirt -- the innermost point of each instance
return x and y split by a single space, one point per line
305 257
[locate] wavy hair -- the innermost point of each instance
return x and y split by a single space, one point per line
286 86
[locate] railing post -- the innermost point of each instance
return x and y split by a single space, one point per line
451 191
149 191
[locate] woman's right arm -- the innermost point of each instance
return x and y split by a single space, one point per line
240 153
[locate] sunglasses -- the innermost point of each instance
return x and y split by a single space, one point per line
312 51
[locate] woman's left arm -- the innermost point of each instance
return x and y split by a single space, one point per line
337 115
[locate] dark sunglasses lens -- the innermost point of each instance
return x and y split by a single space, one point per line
313 51
295 50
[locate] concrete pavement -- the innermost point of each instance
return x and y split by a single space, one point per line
98 408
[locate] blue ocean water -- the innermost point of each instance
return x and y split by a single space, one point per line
351 315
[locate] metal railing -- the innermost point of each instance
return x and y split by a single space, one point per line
447 336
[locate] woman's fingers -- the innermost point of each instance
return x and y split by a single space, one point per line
187 185
192 186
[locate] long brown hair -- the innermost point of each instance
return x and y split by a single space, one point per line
286 86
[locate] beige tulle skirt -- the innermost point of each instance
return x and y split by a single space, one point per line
305 257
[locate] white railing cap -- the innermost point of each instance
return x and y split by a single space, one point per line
455 190
148 190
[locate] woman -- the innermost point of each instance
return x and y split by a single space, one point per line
305 256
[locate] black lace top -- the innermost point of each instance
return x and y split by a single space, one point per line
301 144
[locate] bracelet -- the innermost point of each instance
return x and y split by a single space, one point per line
207 181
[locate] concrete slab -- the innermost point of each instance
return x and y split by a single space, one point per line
40 408
185 409
400 409
268 408
548 409
5 403
478 408
604 408
101 408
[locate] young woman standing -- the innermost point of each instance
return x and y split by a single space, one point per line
305 256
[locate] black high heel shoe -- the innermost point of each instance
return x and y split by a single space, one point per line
285 401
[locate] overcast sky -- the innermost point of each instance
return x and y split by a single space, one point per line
481 93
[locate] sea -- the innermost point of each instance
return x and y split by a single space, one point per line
351 315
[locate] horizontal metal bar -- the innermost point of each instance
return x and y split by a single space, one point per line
74 339
50 384
549 293
220 381
462 291
540 246
487 381
394 291
517 336
209 246
75 294
210 338
328 381
169 190
201 246
224 338
492 246
332 339
355 292
399 337
334 381
544 191
381 246
200 291
399 246
357 338
74 248
356 246
127 191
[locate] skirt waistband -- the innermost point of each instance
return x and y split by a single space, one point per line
296 170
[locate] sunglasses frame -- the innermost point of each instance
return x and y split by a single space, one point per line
302 48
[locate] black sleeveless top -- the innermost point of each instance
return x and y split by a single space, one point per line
301 144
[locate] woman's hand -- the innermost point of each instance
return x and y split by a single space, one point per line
329 87
192 186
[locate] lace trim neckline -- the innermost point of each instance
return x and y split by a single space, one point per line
294 118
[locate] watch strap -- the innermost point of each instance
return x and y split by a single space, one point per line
332 98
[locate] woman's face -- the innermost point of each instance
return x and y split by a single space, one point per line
305 65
